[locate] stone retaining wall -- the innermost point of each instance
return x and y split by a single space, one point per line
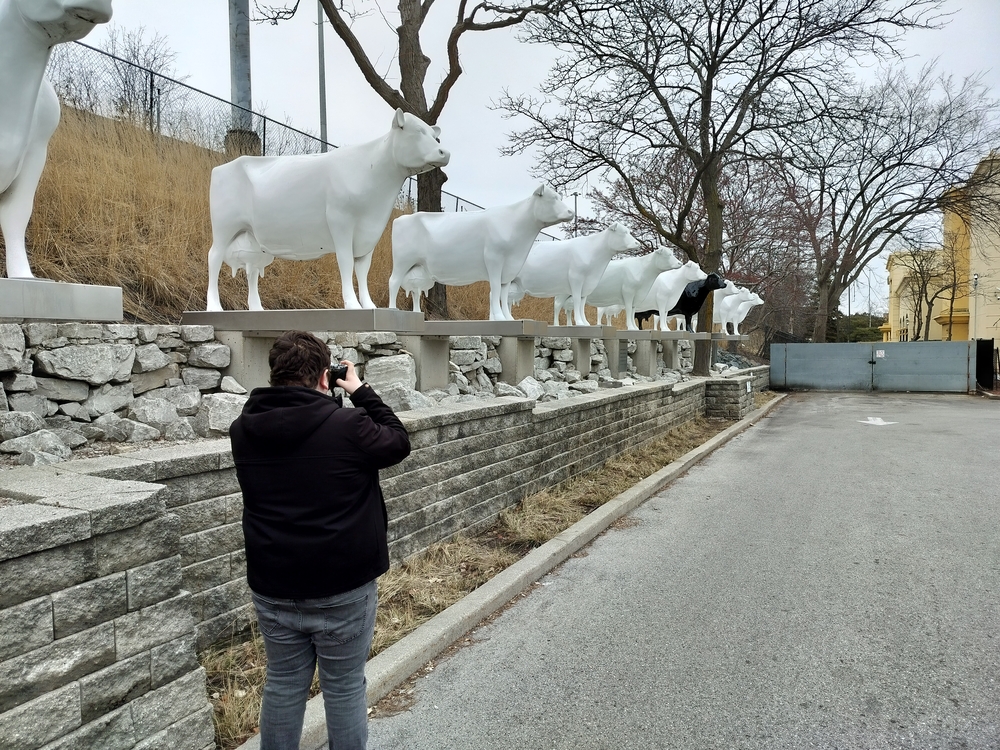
97 639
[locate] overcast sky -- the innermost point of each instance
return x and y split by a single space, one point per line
285 76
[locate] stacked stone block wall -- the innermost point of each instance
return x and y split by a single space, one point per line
97 640
729 398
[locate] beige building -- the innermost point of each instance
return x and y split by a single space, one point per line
965 270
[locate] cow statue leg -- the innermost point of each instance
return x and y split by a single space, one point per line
505 301
18 200
253 295
216 256
361 267
344 249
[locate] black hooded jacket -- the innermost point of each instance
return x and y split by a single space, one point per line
314 518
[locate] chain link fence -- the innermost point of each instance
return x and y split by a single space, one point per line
96 81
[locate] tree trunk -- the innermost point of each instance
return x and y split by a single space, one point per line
429 186
822 312
710 263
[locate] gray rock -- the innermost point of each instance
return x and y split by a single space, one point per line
119 331
543 376
108 398
14 424
57 389
70 438
554 396
43 441
401 398
347 339
484 382
573 376
562 355
80 330
146 334
212 354
229 384
111 428
399 369
89 431
38 458
202 379
465 342
196 334
531 388
149 357
493 366
73 410
97 364
438 393
3 399
33 403
11 347
351 355
506 389
19 383
147 381
217 412
373 339
180 430
156 412
38 333
557 342
137 432
555 386
185 398
462 357
585 386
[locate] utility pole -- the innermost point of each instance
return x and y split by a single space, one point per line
241 138
322 78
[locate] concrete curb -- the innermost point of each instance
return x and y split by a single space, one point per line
393 666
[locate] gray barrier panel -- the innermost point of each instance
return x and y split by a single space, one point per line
830 367
934 366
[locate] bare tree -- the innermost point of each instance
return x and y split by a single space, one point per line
699 78
413 63
876 176
926 279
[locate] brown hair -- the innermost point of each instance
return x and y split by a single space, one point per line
298 358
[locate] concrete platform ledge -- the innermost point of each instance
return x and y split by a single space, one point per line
42 299
400 321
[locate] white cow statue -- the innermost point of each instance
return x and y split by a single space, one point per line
305 206
667 289
744 310
572 268
628 280
725 312
29 108
463 248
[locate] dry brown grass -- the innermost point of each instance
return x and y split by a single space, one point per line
117 206
410 594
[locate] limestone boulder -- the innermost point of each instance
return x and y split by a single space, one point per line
229 384
585 386
3 399
562 355
11 347
506 389
493 366
156 412
399 369
33 403
56 389
96 364
70 438
185 398
17 382
201 378
14 424
37 458
43 441
148 381
217 413
531 388
197 334
137 432
111 428
149 357
557 342
180 430
211 354
401 398
108 398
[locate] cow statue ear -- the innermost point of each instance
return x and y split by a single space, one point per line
436 130
399 120
541 190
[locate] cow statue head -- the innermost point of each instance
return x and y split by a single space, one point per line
416 146
63 20
742 295
620 239
548 208
714 281
691 271
665 260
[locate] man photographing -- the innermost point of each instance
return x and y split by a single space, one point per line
314 521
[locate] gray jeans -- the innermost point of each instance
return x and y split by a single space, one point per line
336 632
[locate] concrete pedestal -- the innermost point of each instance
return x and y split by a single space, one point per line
42 299
517 341
645 358
431 354
581 336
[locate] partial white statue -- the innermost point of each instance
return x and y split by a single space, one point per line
572 268
724 312
720 294
667 289
628 280
744 310
305 206
29 108
463 248
606 314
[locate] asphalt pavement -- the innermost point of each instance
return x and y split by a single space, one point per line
821 581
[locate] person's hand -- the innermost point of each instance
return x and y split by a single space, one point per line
352 382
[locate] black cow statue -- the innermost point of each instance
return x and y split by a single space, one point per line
694 297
